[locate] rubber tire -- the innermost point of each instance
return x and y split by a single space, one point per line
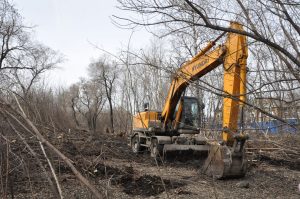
156 149
135 145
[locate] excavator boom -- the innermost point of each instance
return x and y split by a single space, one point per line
192 70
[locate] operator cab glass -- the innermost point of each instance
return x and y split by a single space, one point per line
190 117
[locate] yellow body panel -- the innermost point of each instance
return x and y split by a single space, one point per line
145 120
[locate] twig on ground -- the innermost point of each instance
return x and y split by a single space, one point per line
52 171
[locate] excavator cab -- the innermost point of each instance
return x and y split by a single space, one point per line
189 122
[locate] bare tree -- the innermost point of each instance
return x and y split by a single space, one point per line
74 100
104 72
87 99
39 59
180 15
14 38
270 26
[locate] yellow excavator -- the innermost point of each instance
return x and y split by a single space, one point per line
176 128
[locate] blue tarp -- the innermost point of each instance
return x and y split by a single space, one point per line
275 126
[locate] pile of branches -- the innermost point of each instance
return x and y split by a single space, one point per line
24 145
279 149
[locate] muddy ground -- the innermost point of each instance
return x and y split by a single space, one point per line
109 164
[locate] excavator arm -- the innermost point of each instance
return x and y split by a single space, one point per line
233 55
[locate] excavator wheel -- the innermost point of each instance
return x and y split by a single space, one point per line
136 145
223 162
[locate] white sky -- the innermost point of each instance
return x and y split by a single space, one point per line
69 25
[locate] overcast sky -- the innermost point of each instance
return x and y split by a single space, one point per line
69 25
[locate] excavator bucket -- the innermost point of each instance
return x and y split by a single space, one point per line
177 152
224 162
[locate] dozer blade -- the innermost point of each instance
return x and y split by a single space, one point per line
177 152
223 162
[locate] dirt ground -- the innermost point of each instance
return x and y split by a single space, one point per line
109 164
